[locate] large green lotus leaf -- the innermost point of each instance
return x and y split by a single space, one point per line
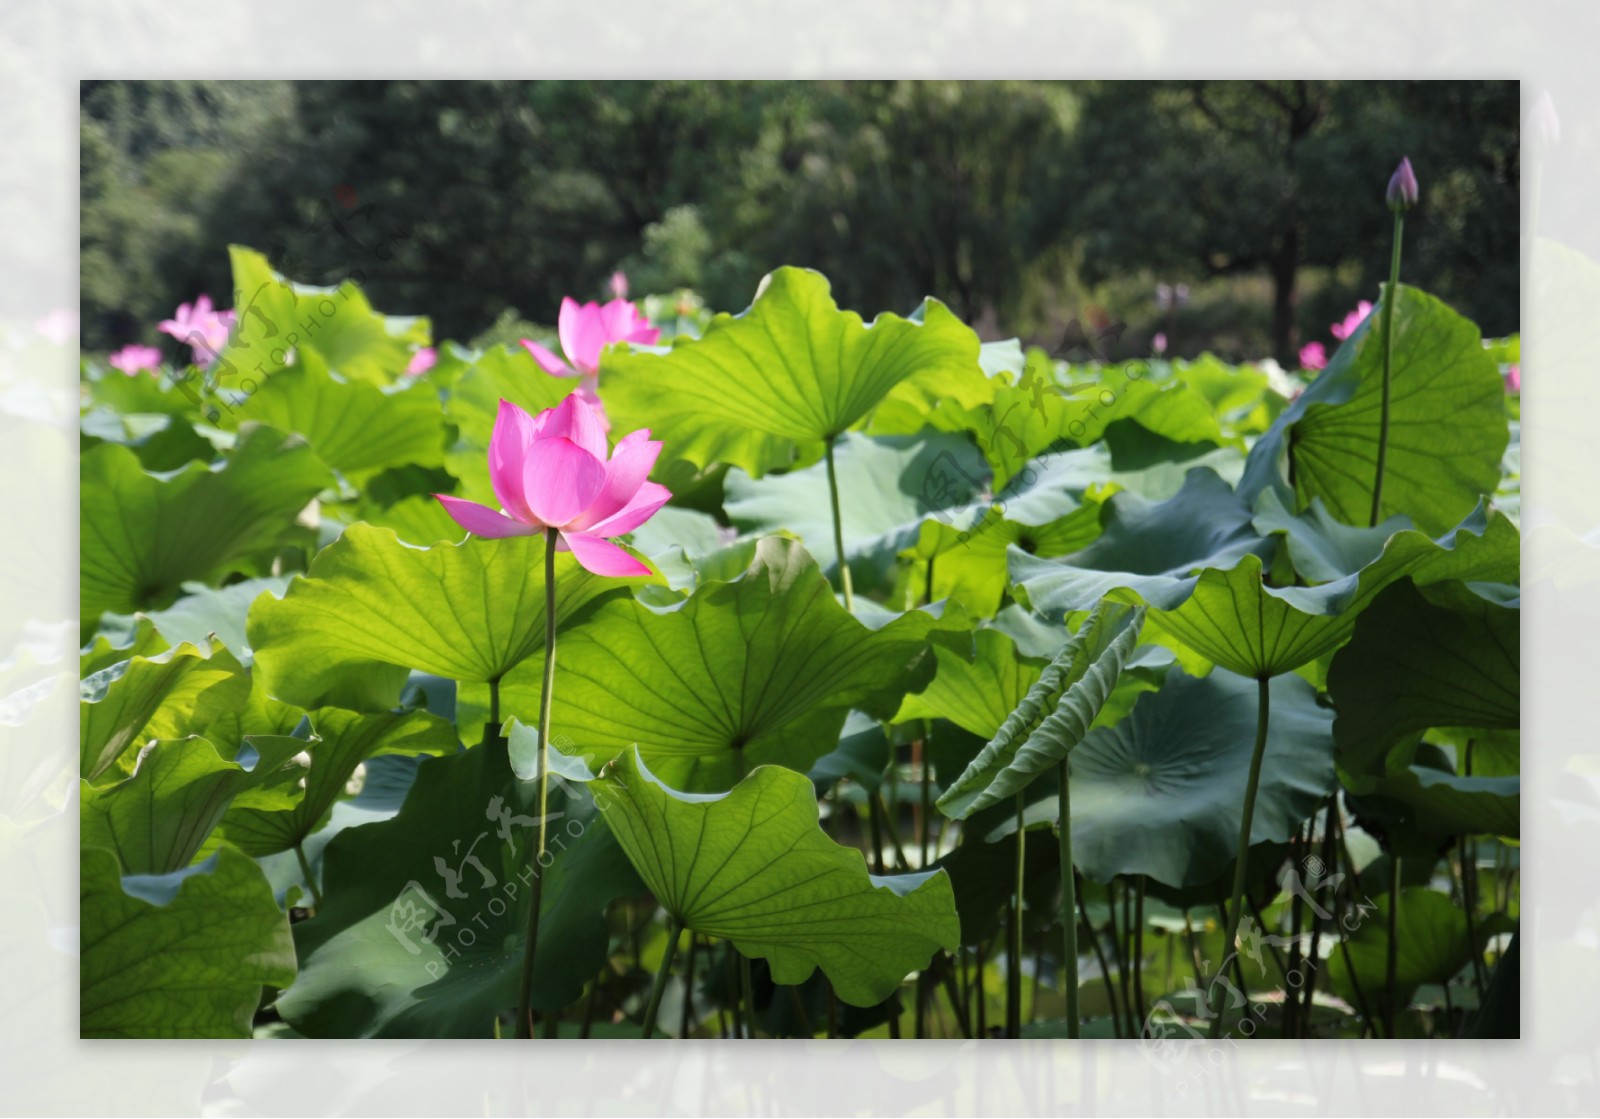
160 442
1053 716
418 519
975 694
1435 471
1044 410
158 819
1422 807
339 742
1240 395
316 328
788 374
753 867
967 562
220 612
421 932
115 643
1412 664
370 609
170 695
1321 548
1233 618
354 427
1433 946
1161 792
192 965
755 671
889 486
143 537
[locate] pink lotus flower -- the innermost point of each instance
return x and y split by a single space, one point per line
585 330
551 471
422 361
59 325
1313 356
1343 330
204 329
1158 344
135 359
619 284
1514 377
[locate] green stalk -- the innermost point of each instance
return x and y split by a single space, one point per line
1263 710
747 992
838 532
688 1019
1392 949
541 774
311 879
1386 325
674 927
1069 900
1014 949
1138 960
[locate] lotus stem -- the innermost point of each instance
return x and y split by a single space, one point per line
1069 899
1386 325
674 927
541 775
1391 965
305 871
1263 710
838 533
1138 959
1014 949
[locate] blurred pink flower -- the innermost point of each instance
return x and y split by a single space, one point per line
551 471
1159 343
134 359
422 361
1313 356
1343 330
1514 377
586 329
60 325
205 330
619 284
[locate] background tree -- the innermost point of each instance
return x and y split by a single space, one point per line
1016 202
1208 179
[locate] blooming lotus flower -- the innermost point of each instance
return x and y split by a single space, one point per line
1343 330
585 330
134 359
551 471
204 329
1313 356
422 361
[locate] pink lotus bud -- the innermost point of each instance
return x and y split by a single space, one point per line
1402 192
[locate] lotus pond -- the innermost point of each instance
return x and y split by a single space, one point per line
784 674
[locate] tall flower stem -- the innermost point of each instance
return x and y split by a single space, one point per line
1263 710
838 533
1014 949
1391 294
674 928
541 775
1391 961
1069 898
311 879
